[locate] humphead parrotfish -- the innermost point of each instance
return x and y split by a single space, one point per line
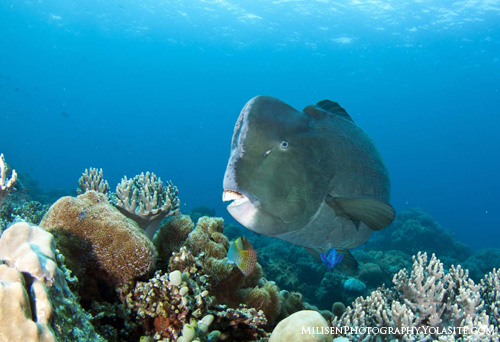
311 177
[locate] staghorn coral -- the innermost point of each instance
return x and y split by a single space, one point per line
99 243
92 179
6 185
427 297
146 200
35 301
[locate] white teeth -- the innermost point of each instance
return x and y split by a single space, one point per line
236 197
229 195
239 201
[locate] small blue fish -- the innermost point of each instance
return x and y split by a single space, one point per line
331 259
81 216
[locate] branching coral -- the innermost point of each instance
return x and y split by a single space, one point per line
92 179
6 185
427 297
146 200
490 289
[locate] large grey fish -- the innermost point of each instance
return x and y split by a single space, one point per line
312 178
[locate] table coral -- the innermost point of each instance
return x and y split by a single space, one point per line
98 241
6 185
147 200
35 301
425 297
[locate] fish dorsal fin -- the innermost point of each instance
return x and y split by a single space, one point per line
375 214
326 108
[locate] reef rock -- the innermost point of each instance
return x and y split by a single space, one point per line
415 231
291 329
36 304
98 241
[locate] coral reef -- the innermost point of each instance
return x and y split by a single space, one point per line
208 243
427 297
20 209
292 328
201 211
92 179
35 301
481 262
146 200
415 231
338 309
178 306
170 237
490 289
354 285
6 185
99 243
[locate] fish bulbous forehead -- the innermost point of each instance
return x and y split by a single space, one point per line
270 117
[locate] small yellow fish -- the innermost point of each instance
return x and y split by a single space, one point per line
242 255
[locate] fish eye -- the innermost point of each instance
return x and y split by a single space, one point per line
284 145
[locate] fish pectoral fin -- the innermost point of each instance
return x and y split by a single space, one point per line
375 214
348 265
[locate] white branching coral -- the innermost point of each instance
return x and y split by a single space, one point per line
146 200
428 300
92 179
490 289
6 185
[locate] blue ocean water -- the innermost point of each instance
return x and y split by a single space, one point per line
132 86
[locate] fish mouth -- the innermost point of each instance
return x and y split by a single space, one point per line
237 197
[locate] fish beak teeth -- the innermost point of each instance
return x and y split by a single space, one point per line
231 195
